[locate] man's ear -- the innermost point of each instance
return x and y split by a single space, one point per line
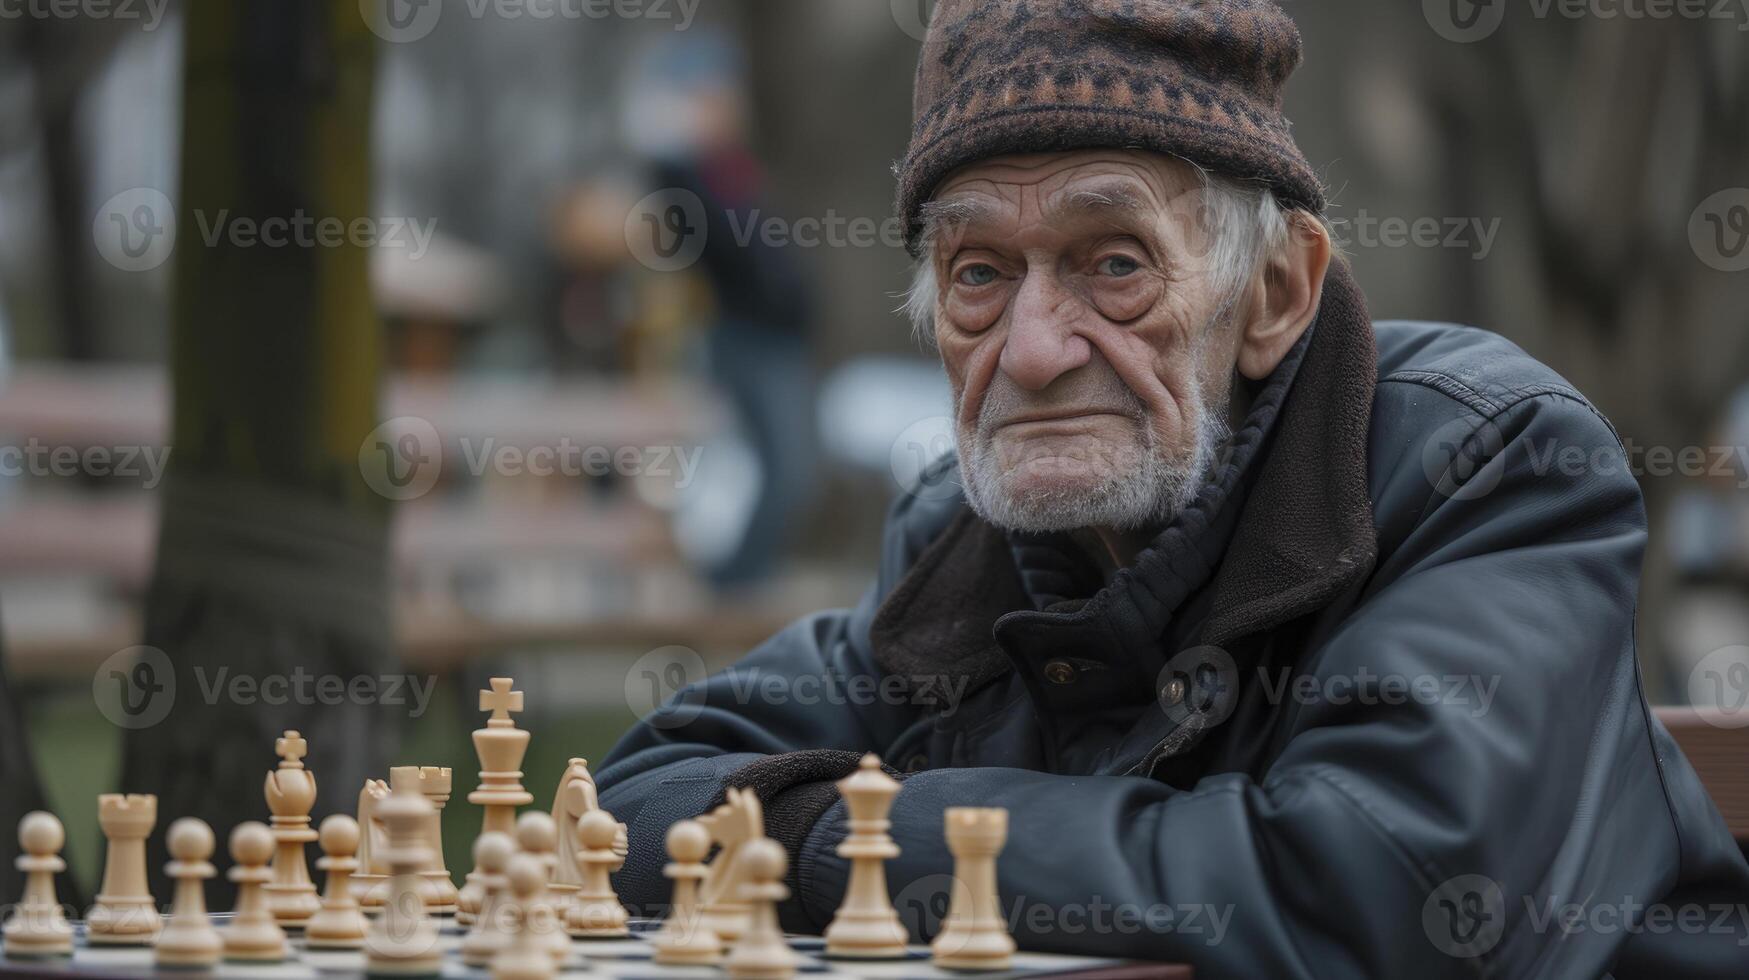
1292 286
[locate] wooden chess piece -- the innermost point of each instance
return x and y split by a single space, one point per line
38 927
738 821
339 923
403 942
762 953
291 792
125 913
500 746
684 939
189 938
974 936
526 955
596 913
370 883
491 930
253 934
434 783
537 838
866 926
574 797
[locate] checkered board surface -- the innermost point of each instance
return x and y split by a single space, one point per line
622 959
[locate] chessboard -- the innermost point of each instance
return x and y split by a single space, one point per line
539 902
604 959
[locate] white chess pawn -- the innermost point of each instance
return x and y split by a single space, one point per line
253 934
402 941
762 953
38 927
537 837
491 930
339 923
189 938
685 939
974 935
125 914
596 912
526 956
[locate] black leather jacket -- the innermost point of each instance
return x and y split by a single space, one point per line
1390 724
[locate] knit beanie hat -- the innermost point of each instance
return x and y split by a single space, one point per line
1199 79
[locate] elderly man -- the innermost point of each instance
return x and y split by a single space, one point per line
1261 620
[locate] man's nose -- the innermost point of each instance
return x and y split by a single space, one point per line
1041 344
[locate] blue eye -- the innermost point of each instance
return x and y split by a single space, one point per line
1118 266
977 275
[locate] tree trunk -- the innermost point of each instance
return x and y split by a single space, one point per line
271 570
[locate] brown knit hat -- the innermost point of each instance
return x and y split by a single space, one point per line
1200 79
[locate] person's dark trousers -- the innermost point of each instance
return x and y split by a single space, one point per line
765 374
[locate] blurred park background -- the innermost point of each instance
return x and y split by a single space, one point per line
573 356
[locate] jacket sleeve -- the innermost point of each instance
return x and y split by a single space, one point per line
1387 812
787 720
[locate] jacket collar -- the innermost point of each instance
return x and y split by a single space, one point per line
1304 534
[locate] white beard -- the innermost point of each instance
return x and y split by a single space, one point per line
1135 487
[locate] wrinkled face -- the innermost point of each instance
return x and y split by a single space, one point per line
1083 336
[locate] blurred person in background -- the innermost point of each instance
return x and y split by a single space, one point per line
610 315
689 114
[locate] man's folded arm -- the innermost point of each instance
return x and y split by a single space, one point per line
787 720
1447 778
1443 780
